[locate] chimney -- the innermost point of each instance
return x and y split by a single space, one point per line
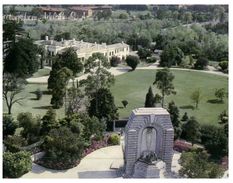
46 38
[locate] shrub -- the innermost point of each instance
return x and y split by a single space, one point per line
16 164
114 139
9 125
151 60
132 61
38 94
224 66
201 63
215 140
31 126
143 53
13 143
115 61
125 103
63 148
123 16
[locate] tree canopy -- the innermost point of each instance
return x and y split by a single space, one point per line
163 81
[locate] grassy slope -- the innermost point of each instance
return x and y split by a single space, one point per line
133 87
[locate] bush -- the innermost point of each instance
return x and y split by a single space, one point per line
215 140
224 66
143 53
63 149
16 164
114 139
115 61
13 143
9 125
132 61
31 126
201 63
38 94
123 16
125 103
151 60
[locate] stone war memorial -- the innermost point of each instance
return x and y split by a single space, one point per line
148 148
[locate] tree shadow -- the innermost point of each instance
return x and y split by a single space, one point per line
187 107
33 99
43 107
46 92
215 101
120 107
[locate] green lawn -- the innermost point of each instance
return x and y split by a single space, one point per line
30 104
41 72
133 87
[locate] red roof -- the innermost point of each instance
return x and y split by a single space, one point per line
86 8
51 9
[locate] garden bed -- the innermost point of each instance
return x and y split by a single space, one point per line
51 164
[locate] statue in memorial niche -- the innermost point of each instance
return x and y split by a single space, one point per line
149 155
148 147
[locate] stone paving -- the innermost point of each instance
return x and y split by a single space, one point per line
95 165
102 163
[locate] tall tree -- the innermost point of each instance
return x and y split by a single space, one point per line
68 59
132 61
99 77
175 114
163 81
22 58
59 91
171 55
12 87
12 28
74 99
150 100
103 107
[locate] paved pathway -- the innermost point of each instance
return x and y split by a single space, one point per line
123 69
102 163
44 79
95 165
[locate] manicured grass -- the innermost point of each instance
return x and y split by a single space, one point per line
133 87
41 72
30 104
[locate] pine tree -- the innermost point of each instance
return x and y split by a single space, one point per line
174 113
150 101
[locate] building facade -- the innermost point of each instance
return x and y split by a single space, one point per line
83 49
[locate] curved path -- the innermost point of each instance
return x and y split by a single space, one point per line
101 163
124 69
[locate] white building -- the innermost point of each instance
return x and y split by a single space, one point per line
84 49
